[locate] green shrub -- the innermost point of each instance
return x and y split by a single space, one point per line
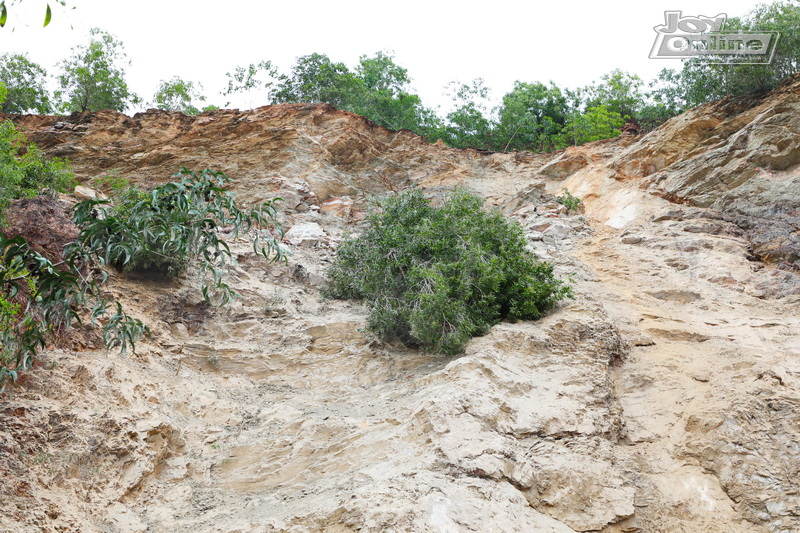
438 276
572 203
24 170
128 206
162 230
39 299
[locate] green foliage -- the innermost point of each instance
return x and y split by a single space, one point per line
619 92
532 117
386 97
3 92
315 78
179 95
437 276
25 171
26 84
783 17
111 183
568 200
93 77
255 76
39 299
595 124
162 230
378 89
468 125
653 115
539 117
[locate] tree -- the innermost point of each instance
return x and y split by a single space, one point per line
595 124
26 85
385 97
783 17
178 95
381 74
315 78
665 90
255 76
532 117
619 92
94 76
378 89
469 124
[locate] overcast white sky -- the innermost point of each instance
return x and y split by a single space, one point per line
572 43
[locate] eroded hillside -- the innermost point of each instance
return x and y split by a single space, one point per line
664 398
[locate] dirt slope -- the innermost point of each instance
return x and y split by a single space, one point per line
664 398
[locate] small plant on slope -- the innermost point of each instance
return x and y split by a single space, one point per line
566 199
438 276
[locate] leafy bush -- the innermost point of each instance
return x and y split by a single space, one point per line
165 228
437 276
572 203
39 299
25 171
161 231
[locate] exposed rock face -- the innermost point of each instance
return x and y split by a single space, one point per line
664 398
330 152
742 161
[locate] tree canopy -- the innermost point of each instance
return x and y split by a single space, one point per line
93 77
176 94
26 85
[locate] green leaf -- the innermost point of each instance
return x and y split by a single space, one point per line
47 16
3 14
